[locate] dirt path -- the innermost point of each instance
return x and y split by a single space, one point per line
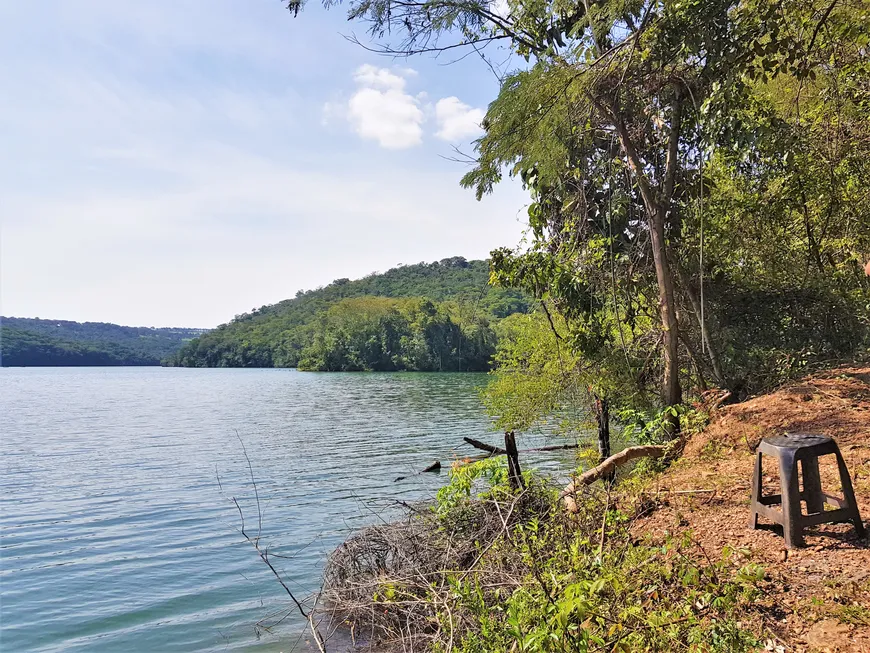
818 598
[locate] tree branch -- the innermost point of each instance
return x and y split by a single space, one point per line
308 615
550 320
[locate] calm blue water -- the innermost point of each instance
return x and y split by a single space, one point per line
116 535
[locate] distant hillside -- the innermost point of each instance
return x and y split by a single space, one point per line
36 342
446 328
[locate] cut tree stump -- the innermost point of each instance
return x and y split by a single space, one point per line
515 475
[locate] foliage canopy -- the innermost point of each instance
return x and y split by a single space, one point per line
697 170
353 325
40 342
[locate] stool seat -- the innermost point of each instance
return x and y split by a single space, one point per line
776 443
805 448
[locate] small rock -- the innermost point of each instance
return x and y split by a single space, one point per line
783 555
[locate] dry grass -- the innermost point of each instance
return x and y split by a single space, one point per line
391 583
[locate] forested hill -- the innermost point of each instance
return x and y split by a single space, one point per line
428 316
37 342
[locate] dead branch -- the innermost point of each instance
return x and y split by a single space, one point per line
498 451
264 554
491 451
552 447
390 579
605 468
477 444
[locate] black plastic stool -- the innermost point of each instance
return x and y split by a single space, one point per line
806 448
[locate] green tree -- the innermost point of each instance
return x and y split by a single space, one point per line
609 125
383 334
277 335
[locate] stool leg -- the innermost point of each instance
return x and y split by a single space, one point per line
792 528
849 495
812 485
756 493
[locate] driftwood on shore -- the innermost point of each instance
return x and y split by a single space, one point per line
607 467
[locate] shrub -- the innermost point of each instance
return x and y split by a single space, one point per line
484 569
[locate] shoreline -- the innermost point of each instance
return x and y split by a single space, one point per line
689 515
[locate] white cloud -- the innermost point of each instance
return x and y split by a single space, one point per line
391 118
500 8
165 167
381 109
456 120
371 76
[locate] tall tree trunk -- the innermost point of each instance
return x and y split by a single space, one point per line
657 206
602 417
672 393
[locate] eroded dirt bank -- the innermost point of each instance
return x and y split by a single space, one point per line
817 598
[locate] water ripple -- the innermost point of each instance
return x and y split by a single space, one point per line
115 535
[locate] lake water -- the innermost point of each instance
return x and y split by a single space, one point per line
116 535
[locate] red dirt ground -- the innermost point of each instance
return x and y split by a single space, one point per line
817 598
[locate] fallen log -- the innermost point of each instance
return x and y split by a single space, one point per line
606 467
436 467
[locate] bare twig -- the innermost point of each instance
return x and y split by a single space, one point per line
264 554
254 483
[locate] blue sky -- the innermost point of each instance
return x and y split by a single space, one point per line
179 162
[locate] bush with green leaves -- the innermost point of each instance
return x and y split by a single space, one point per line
651 427
484 569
